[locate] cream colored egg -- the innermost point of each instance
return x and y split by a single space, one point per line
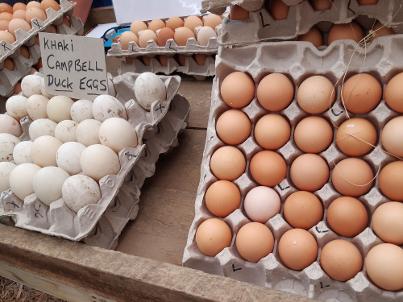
127 135
58 108
5 36
43 150
41 127
33 13
22 152
36 106
87 132
31 84
5 170
148 89
7 144
79 191
65 131
146 36
21 179
16 106
18 24
81 110
106 106
91 158
45 4
68 157
47 184
9 125
33 4
204 34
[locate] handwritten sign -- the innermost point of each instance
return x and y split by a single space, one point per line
73 66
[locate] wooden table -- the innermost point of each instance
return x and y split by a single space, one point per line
146 265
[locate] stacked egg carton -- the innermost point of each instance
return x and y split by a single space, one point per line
219 6
101 224
23 65
298 60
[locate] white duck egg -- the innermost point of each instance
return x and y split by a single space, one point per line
31 84
41 127
9 125
127 135
36 106
65 131
149 88
21 179
98 161
7 144
87 132
5 170
47 184
81 110
68 157
43 150
16 106
79 191
106 106
58 108
22 152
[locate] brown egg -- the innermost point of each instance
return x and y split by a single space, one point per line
18 24
182 34
4 7
349 31
322 4
19 6
384 266
361 93
352 177
314 36
237 89
391 180
212 20
192 22
356 137
147 60
275 92
380 30
24 51
163 60
279 10
163 35
254 241
393 93
227 163
156 24
387 222
233 127
316 94
391 136
367 2
200 58
309 172
174 22
145 36
9 64
302 210
181 59
212 236
35 13
126 38
313 134
347 216
297 249
45 4
222 198
272 131
7 37
3 25
19 14
341 260
138 26
238 13
268 168
6 16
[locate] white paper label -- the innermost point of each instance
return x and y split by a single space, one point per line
73 66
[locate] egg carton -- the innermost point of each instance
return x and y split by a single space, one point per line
301 17
219 6
299 60
29 39
156 131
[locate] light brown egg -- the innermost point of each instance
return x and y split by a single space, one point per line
367 2
313 134
4 25
182 34
163 60
268 168
302 210
174 22
275 92
341 260
163 35
238 13
227 163
212 236
321 4
19 6
35 13
7 37
279 10
356 137
147 60
316 94
192 22
18 24
272 131
24 51
222 198
6 16
138 26
127 37
314 36
254 241
349 31
4 7
392 136
145 36
212 20
156 24
361 93
19 14
393 93
237 89
309 172
380 30
181 59
45 4
297 249
200 58
233 127
32 4
352 177
391 180
387 222
347 216
9 64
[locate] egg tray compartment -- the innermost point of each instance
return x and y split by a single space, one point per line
261 26
58 219
190 68
8 79
299 60
219 6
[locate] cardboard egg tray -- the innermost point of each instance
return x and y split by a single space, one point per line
8 79
301 17
299 60
156 130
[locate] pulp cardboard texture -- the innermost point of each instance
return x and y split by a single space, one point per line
299 60
8 79
156 130
219 6
302 17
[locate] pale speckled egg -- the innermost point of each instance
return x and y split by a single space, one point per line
5 170
65 131
68 157
182 34
16 106
58 108
18 24
127 135
47 184
275 92
261 203
37 106
192 22
7 144
309 172
145 36
138 26
31 84
174 22
79 191
21 179
148 89
316 94
22 152
227 163
204 34
106 106
41 127
81 110
95 154
212 236
43 150
9 125
268 168
222 198
87 132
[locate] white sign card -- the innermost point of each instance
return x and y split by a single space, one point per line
73 66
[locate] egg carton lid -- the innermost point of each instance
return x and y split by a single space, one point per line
57 219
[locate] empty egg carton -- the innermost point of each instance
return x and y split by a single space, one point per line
156 130
298 60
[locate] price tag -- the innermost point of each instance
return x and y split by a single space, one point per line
73 66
